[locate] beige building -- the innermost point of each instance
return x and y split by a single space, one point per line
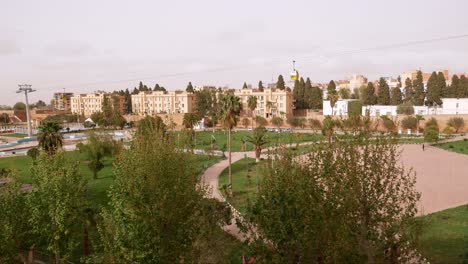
157 102
62 101
411 74
357 81
88 104
270 102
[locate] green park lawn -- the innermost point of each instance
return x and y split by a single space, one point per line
460 146
445 236
15 135
204 139
243 182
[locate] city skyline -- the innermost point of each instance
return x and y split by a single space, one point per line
89 46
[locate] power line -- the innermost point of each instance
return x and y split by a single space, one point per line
278 60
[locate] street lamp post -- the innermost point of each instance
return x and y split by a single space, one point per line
26 88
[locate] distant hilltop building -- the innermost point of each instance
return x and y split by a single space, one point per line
158 102
62 101
270 102
88 104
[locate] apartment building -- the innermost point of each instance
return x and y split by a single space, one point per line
155 102
412 74
88 104
62 101
270 102
357 81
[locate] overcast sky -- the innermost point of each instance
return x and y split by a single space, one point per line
90 45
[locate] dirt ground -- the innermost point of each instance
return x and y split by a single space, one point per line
442 176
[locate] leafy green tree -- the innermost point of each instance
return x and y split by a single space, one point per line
454 87
99 146
405 108
49 137
307 100
57 202
280 83
244 86
409 92
151 124
230 110
432 122
441 82
157 213
463 88
277 121
260 86
418 89
388 123
33 153
456 123
383 94
189 88
190 120
354 108
258 140
19 106
331 88
345 93
325 210
434 91
409 122
431 131
369 97
396 98
252 104
298 93
15 230
245 122
316 98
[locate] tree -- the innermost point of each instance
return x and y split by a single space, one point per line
409 93
409 122
345 93
456 123
454 87
156 212
307 100
441 82
128 102
245 122
388 123
258 140
405 108
189 88
431 131
434 91
418 89
307 216
298 93
332 94
150 125
98 147
331 88
252 104
277 121
316 99
432 122
418 118
354 108
383 94
396 98
260 121
369 97
230 110
260 86
19 106
463 87
57 202
244 86
15 229
280 83
4 118
190 120
33 153
49 137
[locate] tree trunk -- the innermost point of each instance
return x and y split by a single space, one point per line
258 152
86 244
229 160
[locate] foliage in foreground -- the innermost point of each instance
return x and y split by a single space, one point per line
348 201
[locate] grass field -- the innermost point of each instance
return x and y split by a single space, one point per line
460 146
204 139
445 236
14 135
243 182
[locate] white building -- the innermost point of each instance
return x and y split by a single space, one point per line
454 106
340 108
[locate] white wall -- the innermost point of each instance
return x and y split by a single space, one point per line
340 109
454 106
379 110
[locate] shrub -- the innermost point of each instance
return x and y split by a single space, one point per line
277 121
431 134
405 109
456 123
432 122
448 130
260 121
354 108
33 153
409 122
315 124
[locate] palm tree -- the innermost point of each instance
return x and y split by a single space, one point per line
269 105
49 137
258 140
333 97
230 110
252 104
189 121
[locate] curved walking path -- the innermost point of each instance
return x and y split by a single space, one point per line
441 177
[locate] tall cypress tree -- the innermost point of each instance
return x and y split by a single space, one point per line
280 83
383 95
418 88
368 96
396 98
128 101
463 88
316 100
441 82
157 87
454 86
331 88
260 86
141 87
189 88
298 93
409 92
135 91
434 90
308 94
244 86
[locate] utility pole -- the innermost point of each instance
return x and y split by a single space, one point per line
26 88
